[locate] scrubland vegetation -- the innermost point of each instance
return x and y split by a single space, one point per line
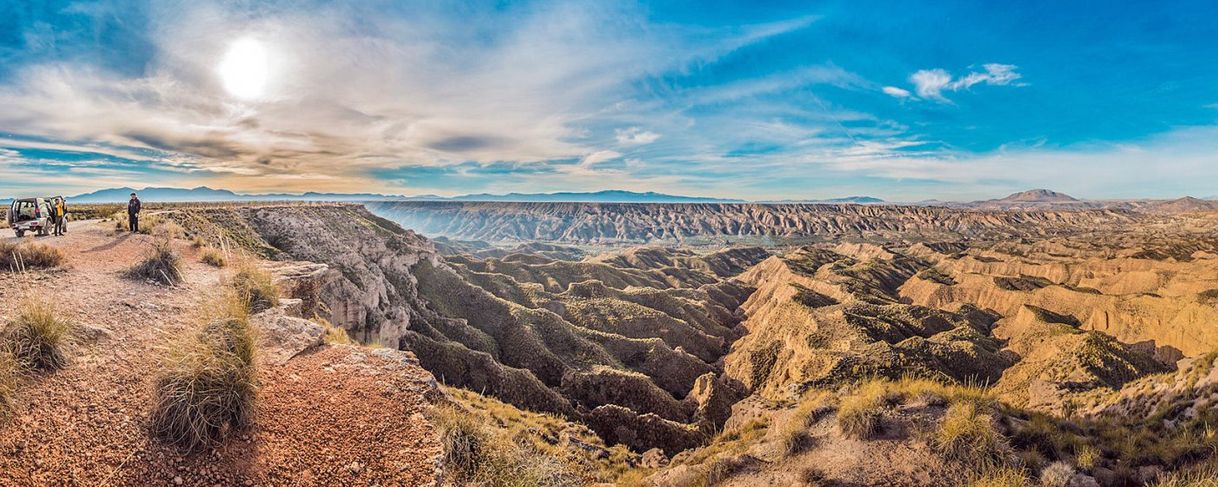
254 286
162 265
35 340
28 256
479 455
207 383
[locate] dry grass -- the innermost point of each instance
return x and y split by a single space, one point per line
967 433
1000 476
162 265
734 441
28 256
207 384
476 455
213 257
1088 458
334 335
255 286
8 385
859 414
721 469
796 441
1203 475
37 336
1057 474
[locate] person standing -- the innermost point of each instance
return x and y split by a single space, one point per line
133 213
59 212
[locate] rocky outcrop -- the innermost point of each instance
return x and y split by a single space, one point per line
558 336
282 336
641 432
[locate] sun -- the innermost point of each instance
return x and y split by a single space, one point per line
244 69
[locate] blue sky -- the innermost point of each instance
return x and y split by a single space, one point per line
758 100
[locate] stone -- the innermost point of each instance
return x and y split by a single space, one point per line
282 337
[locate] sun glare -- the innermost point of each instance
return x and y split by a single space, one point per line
244 69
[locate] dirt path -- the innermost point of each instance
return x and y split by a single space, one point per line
337 415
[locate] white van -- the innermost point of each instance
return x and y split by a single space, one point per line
31 215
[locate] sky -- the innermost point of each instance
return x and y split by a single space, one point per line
762 100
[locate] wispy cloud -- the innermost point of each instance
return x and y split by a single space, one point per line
896 92
635 136
931 83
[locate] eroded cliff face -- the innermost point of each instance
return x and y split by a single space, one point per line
630 344
642 223
653 347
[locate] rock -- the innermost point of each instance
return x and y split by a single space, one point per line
282 337
292 307
88 333
1149 473
1082 480
714 398
617 424
653 458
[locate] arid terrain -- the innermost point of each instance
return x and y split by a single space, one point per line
741 345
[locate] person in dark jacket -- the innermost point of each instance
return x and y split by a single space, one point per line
133 213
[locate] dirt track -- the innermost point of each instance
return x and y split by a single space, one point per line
86 424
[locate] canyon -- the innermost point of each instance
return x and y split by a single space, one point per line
664 346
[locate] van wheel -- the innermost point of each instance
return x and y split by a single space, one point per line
20 233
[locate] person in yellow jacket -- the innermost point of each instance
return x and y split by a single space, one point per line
61 214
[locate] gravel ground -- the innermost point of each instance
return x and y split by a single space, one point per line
334 416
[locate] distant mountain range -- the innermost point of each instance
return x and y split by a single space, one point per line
206 194
853 200
1030 199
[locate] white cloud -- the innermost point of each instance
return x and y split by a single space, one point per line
931 83
896 92
635 136
599 157
350 91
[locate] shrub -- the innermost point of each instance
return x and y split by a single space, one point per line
255 286
28 256
163 266
334 335
8 384
478 456
722 469
213 258
207 384
36 337
1203 475
1088 458
859 415
967 432
1057 474
1000 476
796 441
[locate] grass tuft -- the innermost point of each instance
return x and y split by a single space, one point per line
1000 476
208 382
255 286
213 257
28 256
8 385
967 432
796 441
859 414
478 456
37 336
162 266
